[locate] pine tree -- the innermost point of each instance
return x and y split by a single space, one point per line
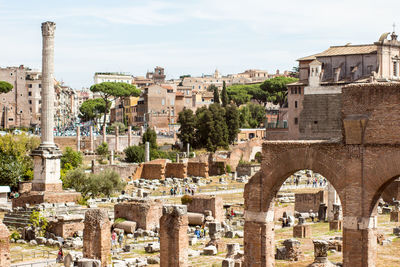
232 119
186 133
224 96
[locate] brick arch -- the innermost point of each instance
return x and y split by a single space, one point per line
279 162
381 169
254 151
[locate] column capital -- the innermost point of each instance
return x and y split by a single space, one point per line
48 28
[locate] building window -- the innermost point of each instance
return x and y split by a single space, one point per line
10 119
40 85
30 102
163 102
299 90
30 86
296 121
395 69
295 104
40 102
29 93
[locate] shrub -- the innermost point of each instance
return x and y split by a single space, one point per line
37 220
119 220
228 168
74 158
186 199
258 157
134 154
15 235
102 150
151 137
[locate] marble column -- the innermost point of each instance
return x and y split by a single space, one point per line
46 158
116 138
129 135
147 152
91 139
104 134
78 138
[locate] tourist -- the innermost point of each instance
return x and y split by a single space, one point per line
312 215
60 256
197 232
297 181
113 239
16 195
232 213
172 191
120 239
204 231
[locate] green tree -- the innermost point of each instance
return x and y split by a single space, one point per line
151 137
110 91
216 95
186 119
11 170
134 154
5 87
252 115
238 94
275 85
204 129
224 95
232 121
92 109
211 88
74 158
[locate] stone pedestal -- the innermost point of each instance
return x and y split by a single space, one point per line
173 236
129 135
395 216
46 169
78 138
302 231
116 138
97 236
336 225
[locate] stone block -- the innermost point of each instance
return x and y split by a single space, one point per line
302 231
336 225
210 251
395 216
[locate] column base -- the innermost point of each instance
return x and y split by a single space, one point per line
38 197
47 187
302 231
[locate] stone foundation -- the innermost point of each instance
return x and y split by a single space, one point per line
37 197
176 170
302 231
173 236
47 187
97 236
336 225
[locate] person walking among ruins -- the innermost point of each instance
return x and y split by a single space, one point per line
60 256
120 239
113 239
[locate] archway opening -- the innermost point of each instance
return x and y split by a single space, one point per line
386 208
306 208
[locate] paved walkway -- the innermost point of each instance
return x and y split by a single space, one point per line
37 263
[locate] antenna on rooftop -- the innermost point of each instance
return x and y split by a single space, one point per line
394 27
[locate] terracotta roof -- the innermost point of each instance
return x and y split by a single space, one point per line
167 86
179 94
344 50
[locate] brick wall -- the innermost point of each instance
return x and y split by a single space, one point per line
176 170
66 228
199 169
200 203
146 213
321 117
153 170
310 201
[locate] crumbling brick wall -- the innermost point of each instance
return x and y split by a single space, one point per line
176 170
199 169
124 170
173 236
146 213
153 170
97 236
200 203
305 202
66 227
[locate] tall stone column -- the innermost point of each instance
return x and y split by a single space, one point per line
104 134
47 156
78 138
129 135
116 139
91 139
147 152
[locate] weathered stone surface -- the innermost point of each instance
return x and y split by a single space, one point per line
173 236
302 231
97 236
5 258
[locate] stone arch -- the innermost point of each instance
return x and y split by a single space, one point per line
254 151
279 162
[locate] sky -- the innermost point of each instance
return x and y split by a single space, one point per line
185 36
